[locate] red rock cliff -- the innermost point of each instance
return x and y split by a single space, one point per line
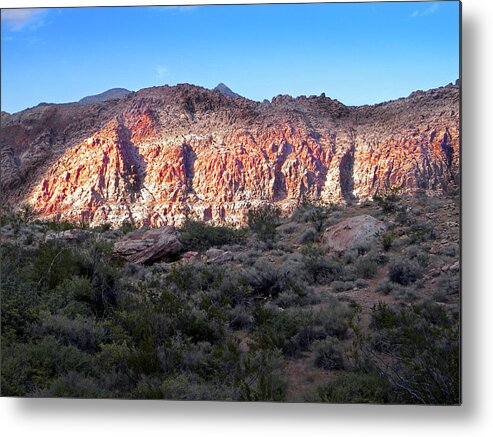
160 153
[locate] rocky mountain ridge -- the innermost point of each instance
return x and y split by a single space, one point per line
111 94
157 155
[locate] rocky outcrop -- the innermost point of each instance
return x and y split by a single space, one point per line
352 233
147 246
158 155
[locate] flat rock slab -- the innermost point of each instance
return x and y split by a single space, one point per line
352 233
147 246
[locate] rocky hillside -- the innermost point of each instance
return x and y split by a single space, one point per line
112 94
156 155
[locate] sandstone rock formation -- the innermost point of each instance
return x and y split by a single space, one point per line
147 246
352 233
160 154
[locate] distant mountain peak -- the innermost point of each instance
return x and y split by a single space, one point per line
224 89
111 94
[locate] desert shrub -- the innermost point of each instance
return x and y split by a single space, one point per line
283 247
334 319
55 262
103 227
356 387
389 201
184 388
265 279
365 268
404 272
59 226
264 221
348 273
35 365
421 232
402 242
249 256
262 377
308 236
417 254
82 332
308 212
447 286
287 299
200 236
451 249
240 318
19 309
378 257
422 355
432 204
294 329
328 354
387 240
361 283
405 217
289 228
408 293
385 287
74 385
339 286
319 268
127 227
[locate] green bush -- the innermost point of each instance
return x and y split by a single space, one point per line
404 272
447 287
200 236
308 236
421 232
328 354
421 350
356 388
264 221
308 212
389 201
319 268
35 365
387 240
365 268
339 286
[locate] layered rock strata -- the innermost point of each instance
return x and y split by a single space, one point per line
157 155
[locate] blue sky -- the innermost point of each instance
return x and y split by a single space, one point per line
360 53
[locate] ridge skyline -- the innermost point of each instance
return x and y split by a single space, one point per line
81 100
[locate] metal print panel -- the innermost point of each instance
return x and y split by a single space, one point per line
236 202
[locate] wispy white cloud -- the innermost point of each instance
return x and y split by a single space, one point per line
427 11
23 19
161 71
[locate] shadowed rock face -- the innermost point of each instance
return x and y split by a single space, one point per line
158 154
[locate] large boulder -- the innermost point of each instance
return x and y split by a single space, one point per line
147 246
352 233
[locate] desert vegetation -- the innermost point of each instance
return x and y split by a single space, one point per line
281 318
